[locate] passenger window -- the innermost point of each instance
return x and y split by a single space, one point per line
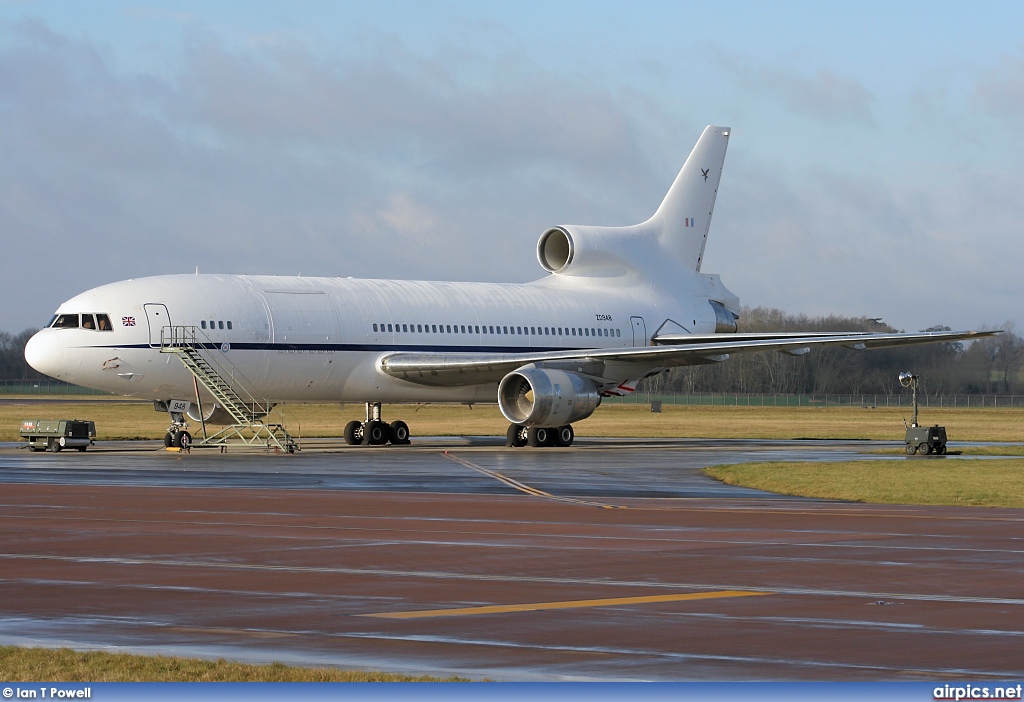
405 327
492 329
213 325
419 328
229 324
66 321
103 323
220 325
374 326
449 328
433 328
88 322
203 324
478 330
389 328
618 332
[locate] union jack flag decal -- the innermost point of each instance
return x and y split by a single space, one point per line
127 321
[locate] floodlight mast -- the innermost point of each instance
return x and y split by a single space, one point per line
909 380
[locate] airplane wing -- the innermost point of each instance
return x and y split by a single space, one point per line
457 369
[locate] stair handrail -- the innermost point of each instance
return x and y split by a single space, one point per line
187 336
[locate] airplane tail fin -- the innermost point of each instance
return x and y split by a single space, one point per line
683 219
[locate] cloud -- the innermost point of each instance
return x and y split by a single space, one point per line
1000 90
821 241
823 95
270 159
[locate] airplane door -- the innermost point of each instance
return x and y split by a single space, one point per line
639 331
158 318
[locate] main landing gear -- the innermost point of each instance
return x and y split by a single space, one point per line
519 435
376 432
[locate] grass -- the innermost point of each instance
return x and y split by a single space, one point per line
961 451
117 419
914 481
19 664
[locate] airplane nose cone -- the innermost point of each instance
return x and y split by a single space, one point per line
43 353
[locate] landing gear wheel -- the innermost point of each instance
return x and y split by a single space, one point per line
564 436
168 440
941 450
375 433
911 449
515 436
539 436
924 449
354 433
55 446
399 433
184 440
81 449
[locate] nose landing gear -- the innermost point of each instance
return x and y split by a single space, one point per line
376 432
177 435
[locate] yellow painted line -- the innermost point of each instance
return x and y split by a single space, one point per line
529 490
568 604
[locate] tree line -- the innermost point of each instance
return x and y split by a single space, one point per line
12 357
992 365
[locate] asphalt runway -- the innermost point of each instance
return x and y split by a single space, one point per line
607 561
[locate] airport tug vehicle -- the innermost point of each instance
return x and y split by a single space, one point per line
58 434
922 440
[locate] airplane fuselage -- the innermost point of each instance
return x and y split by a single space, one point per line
297 339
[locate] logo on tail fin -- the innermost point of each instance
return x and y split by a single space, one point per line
704 172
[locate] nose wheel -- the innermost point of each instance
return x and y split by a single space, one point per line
177 435
376 432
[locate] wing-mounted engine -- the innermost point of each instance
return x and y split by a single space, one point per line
544 397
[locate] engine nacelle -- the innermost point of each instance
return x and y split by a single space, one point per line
543 397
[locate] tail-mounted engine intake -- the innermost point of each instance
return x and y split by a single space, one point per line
542 397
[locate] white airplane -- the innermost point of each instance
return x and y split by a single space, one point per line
619 304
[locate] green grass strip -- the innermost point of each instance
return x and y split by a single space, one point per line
912 481
19 664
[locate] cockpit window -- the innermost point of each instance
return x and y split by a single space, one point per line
103 323
66 321
88 322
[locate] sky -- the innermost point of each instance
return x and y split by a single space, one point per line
875 166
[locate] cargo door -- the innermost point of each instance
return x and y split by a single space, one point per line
639 331
158 318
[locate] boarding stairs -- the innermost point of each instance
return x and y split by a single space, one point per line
249 427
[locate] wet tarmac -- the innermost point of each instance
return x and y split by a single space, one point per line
607 561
